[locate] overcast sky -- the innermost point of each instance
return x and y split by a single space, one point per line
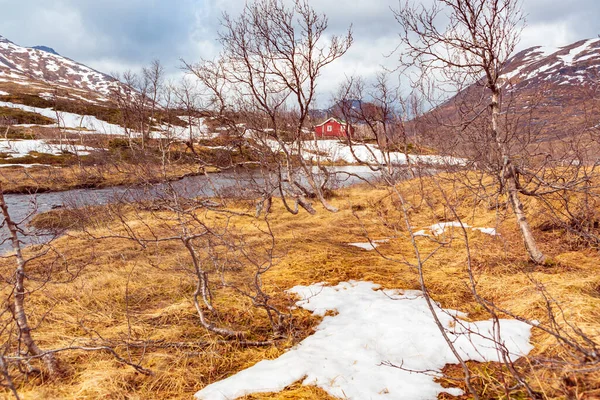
117 35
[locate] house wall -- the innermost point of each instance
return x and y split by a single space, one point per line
331 129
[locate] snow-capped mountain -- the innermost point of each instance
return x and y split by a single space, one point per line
575 64
555 89
548 93
31 66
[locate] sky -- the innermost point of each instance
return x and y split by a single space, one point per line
119 35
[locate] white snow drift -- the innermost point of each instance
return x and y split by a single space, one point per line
440 227
70 120
21 148
340 151
372 245
345 355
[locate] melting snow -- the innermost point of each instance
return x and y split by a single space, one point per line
197 130
24 165
21 148
439 228
369 245
487 231
336 150
71 120
345 354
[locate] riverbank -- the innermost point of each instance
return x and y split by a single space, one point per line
127 293
41 179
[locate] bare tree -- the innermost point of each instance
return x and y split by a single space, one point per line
138 98
474 44
263 85
19 309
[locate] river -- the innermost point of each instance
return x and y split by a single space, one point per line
22 207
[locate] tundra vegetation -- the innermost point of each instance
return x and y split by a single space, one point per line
159 296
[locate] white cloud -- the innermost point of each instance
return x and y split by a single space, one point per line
117 35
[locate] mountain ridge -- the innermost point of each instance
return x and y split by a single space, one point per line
46 49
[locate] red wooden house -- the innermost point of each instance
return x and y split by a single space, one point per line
334 127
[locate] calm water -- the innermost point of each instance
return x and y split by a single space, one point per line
23 207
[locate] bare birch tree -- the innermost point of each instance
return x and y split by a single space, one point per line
463 42
263 85
19 308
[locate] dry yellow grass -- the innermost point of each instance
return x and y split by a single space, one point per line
41 179
312 249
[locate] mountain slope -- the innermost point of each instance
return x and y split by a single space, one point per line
577 63
41 66
549 94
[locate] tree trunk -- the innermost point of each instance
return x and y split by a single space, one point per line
533 251
510 182
19 296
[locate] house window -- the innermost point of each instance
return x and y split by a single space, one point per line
329 128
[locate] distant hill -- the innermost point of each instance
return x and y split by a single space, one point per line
554 91
41 67
337 110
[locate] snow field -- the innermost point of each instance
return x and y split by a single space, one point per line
348 353
71 120
336 151
21 148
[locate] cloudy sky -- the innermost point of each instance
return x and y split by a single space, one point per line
119 35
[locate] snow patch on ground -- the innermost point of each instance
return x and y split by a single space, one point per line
345 354
197 130
487 231
21 148
3 93
439 228
70 120
24 165
339 151
369 245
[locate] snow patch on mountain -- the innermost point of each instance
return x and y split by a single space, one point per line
567 64
44 64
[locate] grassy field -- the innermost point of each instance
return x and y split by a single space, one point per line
121 291
47 178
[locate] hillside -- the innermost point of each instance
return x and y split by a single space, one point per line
42 68
568 66
549 93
